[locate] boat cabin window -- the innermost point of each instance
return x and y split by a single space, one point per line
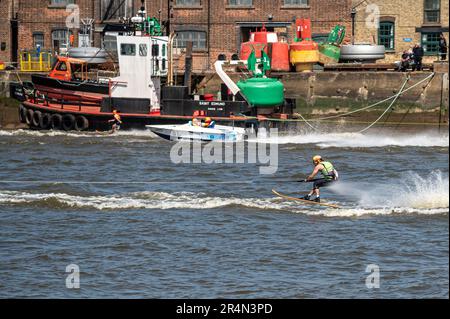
142 49
155 50
77 71
62 66
128 49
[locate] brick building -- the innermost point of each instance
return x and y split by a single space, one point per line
215 26
7 21
220 26
402 24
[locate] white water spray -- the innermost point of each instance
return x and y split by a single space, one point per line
359 140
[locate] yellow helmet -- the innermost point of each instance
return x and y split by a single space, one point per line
317 159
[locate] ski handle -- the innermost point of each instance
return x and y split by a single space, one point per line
310 181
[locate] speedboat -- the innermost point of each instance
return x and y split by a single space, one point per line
191 132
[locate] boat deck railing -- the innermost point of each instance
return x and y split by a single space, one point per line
60 100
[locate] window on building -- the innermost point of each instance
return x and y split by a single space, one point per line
430 43
60 39
198 39
188 3
296 2
128 49
115 9
432 11
240 2
38 39
386 35
61 2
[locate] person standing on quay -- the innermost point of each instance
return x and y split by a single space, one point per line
443 47
418 56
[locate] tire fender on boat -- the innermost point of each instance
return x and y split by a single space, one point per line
56 121
68 122
22 114
37 117
46 121
29 116
81 123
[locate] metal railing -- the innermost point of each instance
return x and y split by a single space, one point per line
60 100
33 61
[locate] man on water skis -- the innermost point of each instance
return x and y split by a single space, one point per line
329 175
117 121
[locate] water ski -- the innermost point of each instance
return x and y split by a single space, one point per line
97 132
303 200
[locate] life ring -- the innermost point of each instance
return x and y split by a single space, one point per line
37 116
81 123
22 114
56 121
46 121
68 122
29 117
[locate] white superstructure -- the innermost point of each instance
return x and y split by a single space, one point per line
142 61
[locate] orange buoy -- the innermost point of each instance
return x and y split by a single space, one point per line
280 56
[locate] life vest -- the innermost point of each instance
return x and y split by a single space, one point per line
328 171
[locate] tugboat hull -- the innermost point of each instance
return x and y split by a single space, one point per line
88 118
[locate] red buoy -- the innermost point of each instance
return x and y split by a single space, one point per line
247 47
261 35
